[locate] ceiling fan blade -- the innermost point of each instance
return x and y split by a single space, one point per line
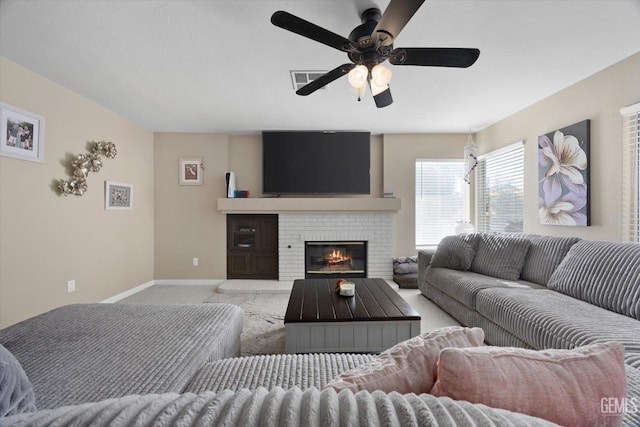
325 79
434 56
394 19
311 31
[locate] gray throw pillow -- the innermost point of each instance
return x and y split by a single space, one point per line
545 254
455 252
406 268
16 391
500 256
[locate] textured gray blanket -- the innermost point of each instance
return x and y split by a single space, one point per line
277 407
89 352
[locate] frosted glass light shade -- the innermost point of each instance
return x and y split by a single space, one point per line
380 75
358 76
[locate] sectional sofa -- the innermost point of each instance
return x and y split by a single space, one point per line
541 292
165 365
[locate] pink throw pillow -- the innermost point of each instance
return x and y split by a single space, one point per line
563 386
409 366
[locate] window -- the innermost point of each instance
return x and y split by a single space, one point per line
441 199
500 190
631 173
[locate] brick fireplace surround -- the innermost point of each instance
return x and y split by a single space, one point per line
294 229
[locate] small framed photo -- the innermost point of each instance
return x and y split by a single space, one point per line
191 171
22 134
118 196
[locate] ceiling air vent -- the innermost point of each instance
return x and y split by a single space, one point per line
300 78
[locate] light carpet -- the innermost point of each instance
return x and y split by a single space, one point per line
263 328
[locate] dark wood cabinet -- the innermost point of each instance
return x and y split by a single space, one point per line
252 246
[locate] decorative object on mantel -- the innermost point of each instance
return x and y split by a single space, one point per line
191 171
83 164
470 158
464 227
563 172
22 134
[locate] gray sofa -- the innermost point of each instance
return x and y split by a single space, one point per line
542 292
166 365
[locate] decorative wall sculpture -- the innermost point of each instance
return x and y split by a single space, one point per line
563 171
470 159
83 164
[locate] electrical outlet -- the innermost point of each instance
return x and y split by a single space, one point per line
71 285
195 262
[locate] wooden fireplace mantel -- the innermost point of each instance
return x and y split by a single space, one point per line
294 204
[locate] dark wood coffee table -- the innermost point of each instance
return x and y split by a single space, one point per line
318 319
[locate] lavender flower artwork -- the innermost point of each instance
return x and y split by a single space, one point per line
563 171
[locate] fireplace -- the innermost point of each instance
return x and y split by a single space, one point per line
335 259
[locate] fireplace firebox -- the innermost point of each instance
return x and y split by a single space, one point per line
335 259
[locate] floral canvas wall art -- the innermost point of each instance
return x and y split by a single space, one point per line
563 172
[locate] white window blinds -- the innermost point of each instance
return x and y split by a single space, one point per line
500 190
631 173
441 199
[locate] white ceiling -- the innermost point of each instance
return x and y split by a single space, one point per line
221 66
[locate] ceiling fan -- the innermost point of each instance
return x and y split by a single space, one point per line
371 44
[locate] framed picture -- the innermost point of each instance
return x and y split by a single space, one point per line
118 196
191 171
563 176
22 134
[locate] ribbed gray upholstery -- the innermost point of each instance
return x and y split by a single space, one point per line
278 407
277 370
606 274
495 334
633 360
456 252
88 352
632 415
16 391
547 319
500 256
545 254
459 311
424 259
465 285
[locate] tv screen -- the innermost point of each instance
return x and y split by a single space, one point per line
315 162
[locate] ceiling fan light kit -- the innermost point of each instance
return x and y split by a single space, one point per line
369 45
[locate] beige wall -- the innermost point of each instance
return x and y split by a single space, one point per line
47 239
187 222
598 98
400 154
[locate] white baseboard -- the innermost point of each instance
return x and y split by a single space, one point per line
194 282
144 286
128 293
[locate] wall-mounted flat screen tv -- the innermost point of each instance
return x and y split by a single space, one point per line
311 162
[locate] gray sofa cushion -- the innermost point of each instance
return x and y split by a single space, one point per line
16 391
465 285
606 274
545 254
455 252
274 370
548 319
278 407
87 352
500 256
